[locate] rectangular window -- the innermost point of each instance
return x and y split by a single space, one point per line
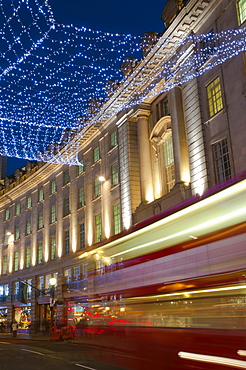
52 248
207 47
80 168
97 187
7 215
68 275
82 235
96 154
40 220
66 206
67 242
28 226
169 163
6 237
113 139
5 264
98 227
41 282
28 202
222 160
164 107
53 187
40 195
52 214
17 209
29 288
214 94
76 273
16 261
114 174
241 11
17 232
116 216
40 252
28 257
81 198
66 177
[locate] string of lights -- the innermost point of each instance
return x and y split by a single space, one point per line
55 78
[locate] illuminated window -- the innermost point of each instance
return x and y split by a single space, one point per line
80 168
28 202
66 206
82 235
53 187
169 163
40 195
66 177
40 220
17 209
96 154
16 261
214 94
28 226
6 237
98 227
68 275
97 187
7 214
114 174
17 232
52 214
40 252
241 11
116 216
113 139
28 257
5 264
67 242
81 197
52 247
222 160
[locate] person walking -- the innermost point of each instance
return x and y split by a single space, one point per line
14 328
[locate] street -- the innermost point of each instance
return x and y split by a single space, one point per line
36 355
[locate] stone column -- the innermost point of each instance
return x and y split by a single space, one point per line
146 182
180 146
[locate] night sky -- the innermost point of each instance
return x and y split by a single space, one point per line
126 17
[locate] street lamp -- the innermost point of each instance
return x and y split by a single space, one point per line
53 282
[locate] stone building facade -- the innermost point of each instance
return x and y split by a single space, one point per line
153 155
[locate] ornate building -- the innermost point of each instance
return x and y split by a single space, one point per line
155 154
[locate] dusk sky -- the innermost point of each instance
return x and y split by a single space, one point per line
126 17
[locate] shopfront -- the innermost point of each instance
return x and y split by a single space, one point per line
3 319
22 314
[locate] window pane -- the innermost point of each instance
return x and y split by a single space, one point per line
222 160
28 257
97 187
17 232
40 252
66 206
67 242
81 197
16 261
114 174
52 214
66 177
40 195
241 6
214 95
116 215
53 187
82 235
98 227
80 169
96 154
113 139
17 209
52 247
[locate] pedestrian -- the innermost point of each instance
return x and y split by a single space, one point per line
14 328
